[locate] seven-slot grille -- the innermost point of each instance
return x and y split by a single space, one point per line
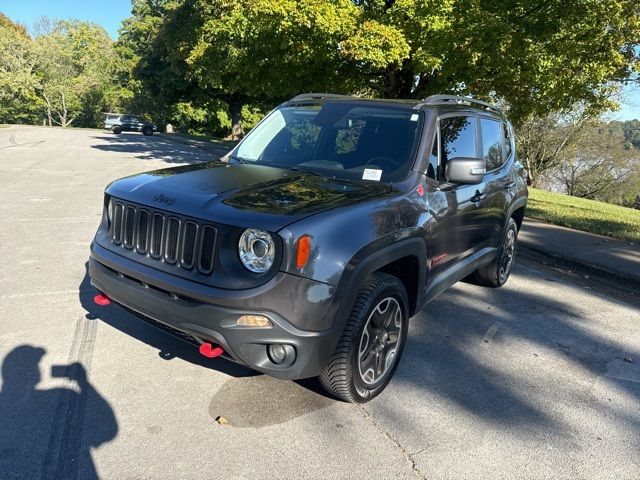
164 236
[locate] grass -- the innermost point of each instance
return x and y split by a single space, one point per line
586 215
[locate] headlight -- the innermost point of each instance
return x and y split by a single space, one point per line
110 212
256 250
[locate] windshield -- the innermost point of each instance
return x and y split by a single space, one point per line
338 139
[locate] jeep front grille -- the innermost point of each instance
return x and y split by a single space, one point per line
163 236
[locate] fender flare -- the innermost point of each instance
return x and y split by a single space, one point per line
518 203
354 276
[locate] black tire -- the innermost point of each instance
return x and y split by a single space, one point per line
496 273
117 130
343 376
147 131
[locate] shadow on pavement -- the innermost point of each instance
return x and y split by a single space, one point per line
154 147
48 434
456 344
248 399
168 346
441 359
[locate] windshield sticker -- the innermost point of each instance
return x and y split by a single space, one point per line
371 174
414 117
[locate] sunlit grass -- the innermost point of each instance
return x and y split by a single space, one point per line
587 215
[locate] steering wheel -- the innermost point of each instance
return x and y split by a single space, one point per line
384 162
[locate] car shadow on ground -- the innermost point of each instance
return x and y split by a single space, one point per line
156 147
280 400
440 359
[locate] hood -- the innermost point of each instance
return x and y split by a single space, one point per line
242 194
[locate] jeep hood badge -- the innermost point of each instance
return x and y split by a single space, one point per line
162 198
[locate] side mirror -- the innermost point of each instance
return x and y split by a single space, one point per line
465 170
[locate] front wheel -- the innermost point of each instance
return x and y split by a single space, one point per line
147 131
372 342
117 130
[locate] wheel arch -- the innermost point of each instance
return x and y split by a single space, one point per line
517 209
402 259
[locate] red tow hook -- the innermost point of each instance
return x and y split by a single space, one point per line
101 299
207 350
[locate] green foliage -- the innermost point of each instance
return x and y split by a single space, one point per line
600 165
209 65
631 131
539 56
65 75
18 100
75 61
587 215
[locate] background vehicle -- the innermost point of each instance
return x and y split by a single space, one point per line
309 248
118 123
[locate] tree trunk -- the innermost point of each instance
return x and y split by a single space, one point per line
398 82
48 108
236 103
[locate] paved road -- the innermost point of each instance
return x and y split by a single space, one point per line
529 381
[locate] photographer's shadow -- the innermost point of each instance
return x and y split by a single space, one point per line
49 434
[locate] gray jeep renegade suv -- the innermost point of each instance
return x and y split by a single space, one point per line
306 250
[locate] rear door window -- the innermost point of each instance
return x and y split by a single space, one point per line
492 136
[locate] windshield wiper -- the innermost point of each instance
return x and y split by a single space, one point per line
310 172
238 159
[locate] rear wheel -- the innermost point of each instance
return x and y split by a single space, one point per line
497 272
147 131
372 342
117 130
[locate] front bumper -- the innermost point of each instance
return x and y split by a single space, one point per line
215 320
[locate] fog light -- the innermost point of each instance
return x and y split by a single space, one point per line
258 321
277 353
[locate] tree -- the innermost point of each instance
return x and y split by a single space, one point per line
541 142
75 61
538 55
18 100
598 163
251 51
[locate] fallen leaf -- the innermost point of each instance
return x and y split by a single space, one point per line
628 359
222 420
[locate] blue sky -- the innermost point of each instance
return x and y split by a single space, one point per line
630 104
109 14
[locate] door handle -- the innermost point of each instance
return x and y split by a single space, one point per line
478 197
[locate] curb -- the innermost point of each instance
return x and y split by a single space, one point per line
610 278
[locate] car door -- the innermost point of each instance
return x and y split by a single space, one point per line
497 150
456 209
136 124
125 122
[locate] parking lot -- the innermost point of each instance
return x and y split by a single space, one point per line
539 379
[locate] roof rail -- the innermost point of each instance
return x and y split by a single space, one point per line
456 100
317 96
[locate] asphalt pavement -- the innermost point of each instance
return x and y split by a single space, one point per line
538 379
